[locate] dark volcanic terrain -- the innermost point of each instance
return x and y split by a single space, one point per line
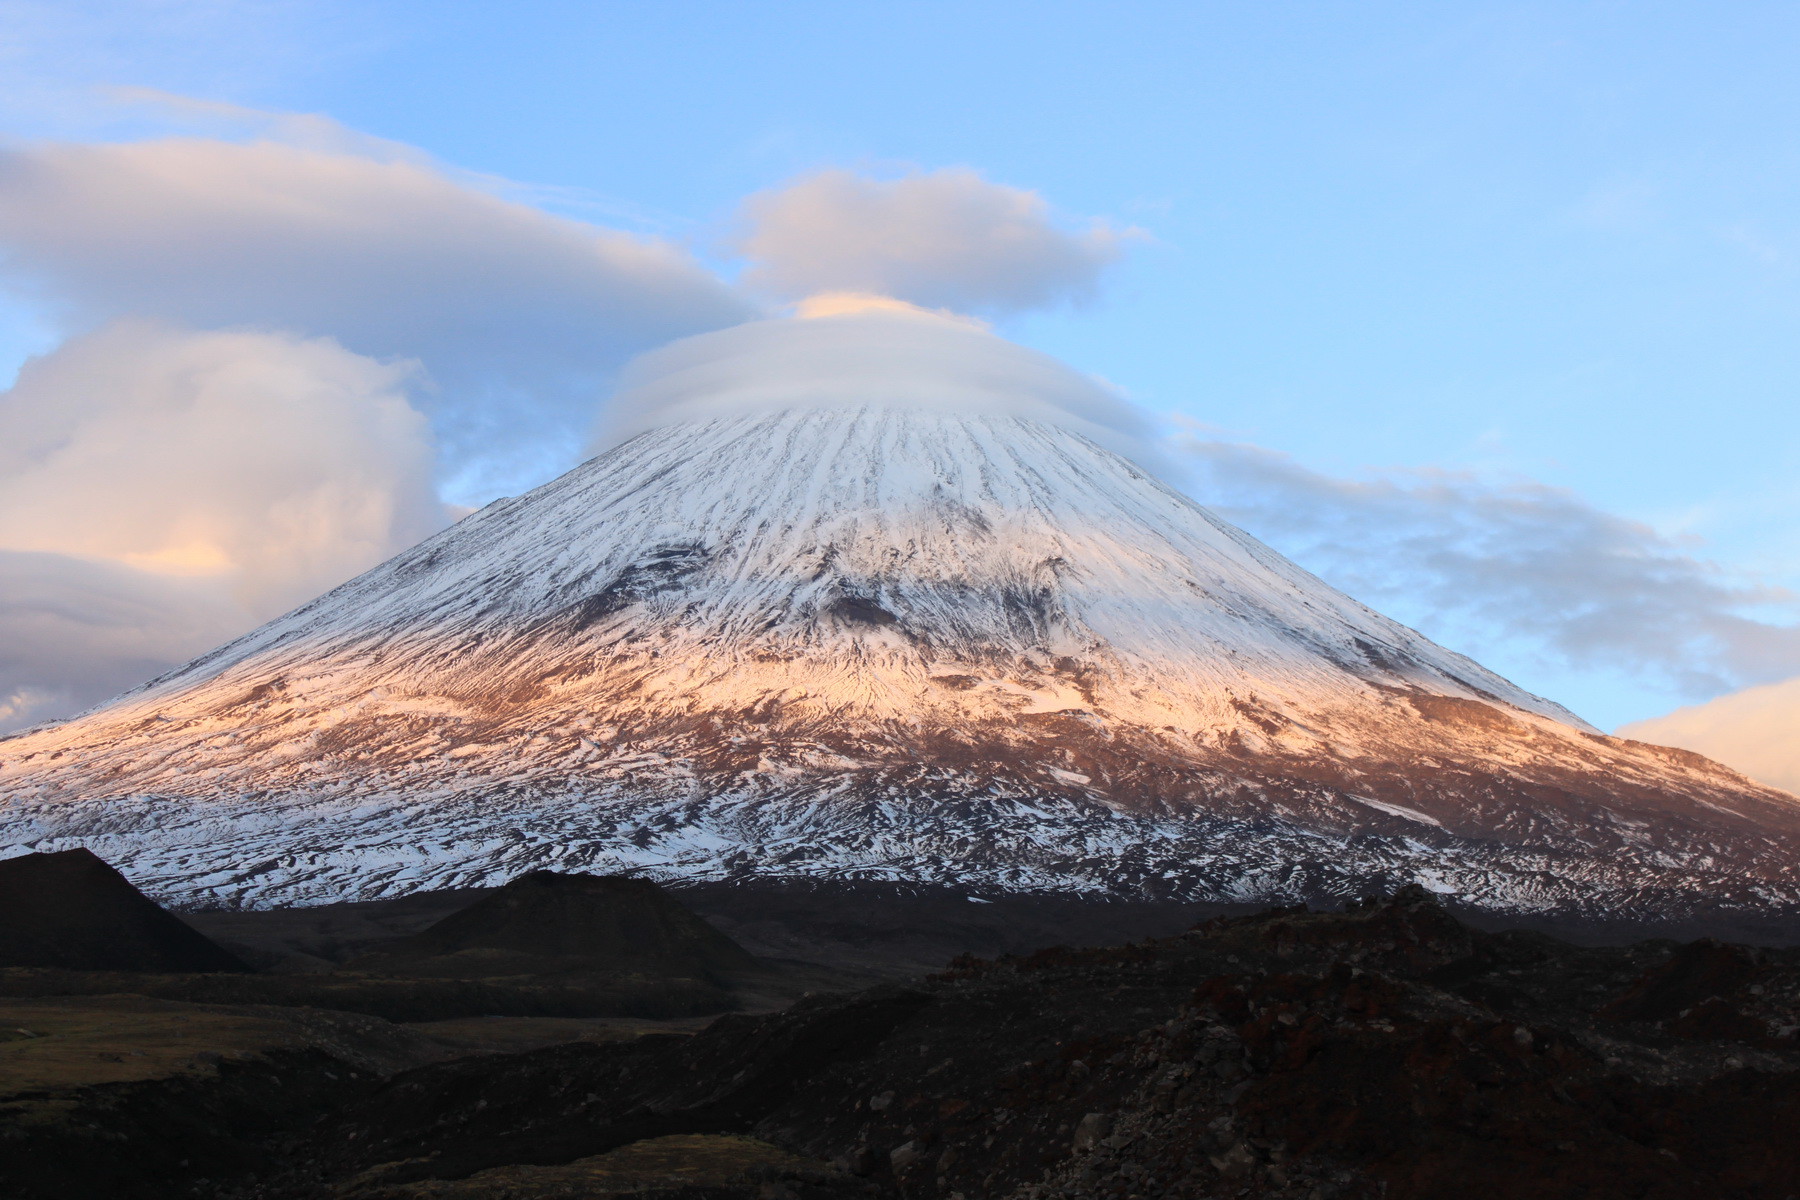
73 911
1389 1050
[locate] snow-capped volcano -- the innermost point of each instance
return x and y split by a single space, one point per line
874 640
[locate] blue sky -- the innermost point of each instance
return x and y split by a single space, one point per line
1540 244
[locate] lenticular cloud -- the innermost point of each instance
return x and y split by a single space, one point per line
519 316
864 354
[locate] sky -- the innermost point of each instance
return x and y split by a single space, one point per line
1485 312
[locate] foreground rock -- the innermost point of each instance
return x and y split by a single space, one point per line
123 1096
1386 1051
71 910
677 1167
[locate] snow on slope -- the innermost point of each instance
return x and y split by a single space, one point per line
885 641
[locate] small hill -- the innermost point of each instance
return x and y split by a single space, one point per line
548 923
71 910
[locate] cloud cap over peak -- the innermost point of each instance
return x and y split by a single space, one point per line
861 356
941 239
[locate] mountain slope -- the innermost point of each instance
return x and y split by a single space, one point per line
884 641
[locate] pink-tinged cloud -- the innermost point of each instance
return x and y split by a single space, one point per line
942 239
162 490
1757 731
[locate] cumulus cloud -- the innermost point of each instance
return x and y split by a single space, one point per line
867 352
519 316
942 239
1515 560
1757 731
162 490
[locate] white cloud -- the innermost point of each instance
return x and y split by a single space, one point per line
1757 731
865 353
518 316
162 490
1518 561
943 239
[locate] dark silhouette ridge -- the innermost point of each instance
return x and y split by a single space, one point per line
69 909
547 922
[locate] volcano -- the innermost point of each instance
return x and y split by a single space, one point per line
875 641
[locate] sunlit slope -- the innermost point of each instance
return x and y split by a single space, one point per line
878 641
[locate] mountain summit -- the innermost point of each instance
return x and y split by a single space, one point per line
876 642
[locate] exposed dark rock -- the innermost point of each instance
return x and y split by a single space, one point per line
547 945
69 909
678 1167
120 1097
1698 972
